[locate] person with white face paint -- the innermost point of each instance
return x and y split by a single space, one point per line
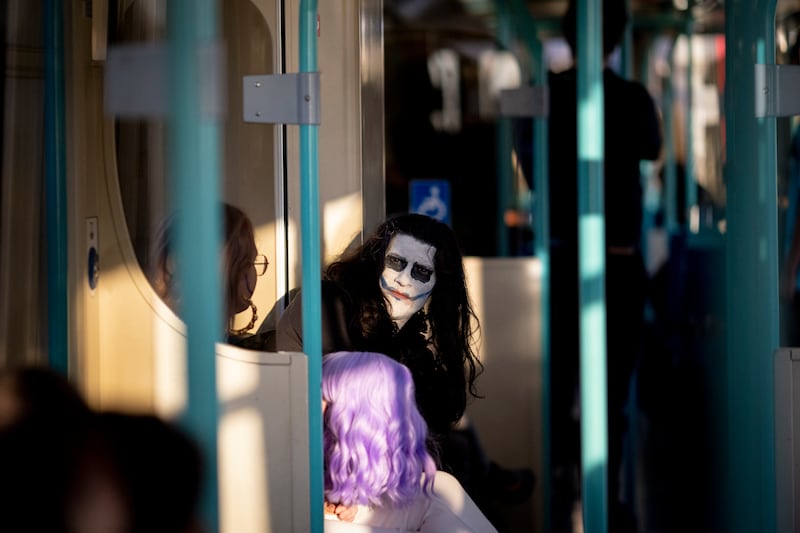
403 293
408 277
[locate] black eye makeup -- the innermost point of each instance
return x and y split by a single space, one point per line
421 273
398 264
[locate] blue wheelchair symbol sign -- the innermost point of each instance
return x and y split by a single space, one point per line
432 198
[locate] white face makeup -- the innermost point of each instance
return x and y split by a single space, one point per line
408 276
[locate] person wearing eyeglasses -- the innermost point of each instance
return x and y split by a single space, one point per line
242 267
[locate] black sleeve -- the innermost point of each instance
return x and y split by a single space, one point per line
334 310
289 334
440 395
649 132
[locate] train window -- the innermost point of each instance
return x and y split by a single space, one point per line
248 151
698 97
443 75
787 39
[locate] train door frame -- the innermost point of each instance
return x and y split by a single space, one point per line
746 382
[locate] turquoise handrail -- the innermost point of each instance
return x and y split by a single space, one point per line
540 207
55 186
312 293
505 187
541 211
194 171
626 50
752 331
670 169
591 239
689 174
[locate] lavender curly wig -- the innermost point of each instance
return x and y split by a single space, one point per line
374 435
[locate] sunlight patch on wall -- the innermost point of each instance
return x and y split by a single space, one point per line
169 351
244 491
342 218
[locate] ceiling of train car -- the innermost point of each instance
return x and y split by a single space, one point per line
479 15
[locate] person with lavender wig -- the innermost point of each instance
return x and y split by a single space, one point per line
403 293
377 459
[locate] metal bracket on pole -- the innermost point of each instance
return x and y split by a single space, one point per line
282 98
530 101
777 90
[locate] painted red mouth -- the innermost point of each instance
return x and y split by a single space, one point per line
398 295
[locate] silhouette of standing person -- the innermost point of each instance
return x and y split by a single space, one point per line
632 133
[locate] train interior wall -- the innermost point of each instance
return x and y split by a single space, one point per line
118 330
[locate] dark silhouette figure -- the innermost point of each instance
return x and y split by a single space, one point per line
155 465
42 420
632 133
66 468
39 393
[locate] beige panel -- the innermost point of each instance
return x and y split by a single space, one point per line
249 149
373 165
263 441
112 328
505 293
83 311
339 134
126 300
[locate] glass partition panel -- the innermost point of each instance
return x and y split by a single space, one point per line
250 166
787 39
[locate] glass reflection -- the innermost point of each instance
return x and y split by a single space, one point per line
248 150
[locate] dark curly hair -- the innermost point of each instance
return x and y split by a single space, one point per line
449 315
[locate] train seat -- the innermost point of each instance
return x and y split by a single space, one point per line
263 441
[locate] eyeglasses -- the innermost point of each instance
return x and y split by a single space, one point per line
260 264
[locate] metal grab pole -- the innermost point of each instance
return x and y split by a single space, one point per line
752 331
194 172
540 207
670 170
505 186
591 239
55 186
311 294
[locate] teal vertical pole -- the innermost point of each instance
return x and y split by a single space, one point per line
591 239
503 143
670 171
691 181
752 273
540 209
649 208
194 171
312 293
627 45
644 62
55 186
